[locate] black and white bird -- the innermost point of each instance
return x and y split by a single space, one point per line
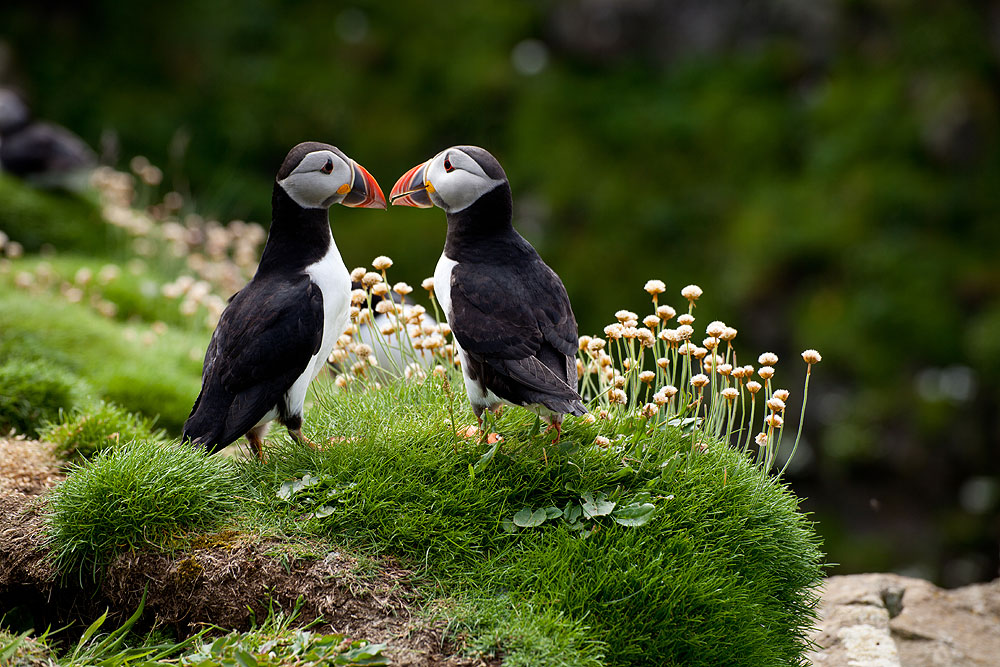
508 311
276 334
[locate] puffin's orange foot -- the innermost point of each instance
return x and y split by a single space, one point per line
472 431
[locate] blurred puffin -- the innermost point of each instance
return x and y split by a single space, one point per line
47 154
508 311
275 335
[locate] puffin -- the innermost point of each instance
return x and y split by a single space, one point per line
508 311
276 333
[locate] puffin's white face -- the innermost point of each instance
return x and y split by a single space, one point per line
455 180
320 180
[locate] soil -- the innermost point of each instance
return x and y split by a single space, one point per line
226 580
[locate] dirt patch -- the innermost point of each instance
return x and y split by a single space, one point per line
226 580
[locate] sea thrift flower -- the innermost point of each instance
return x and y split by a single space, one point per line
700 380
776 404
669 335
699 352
363 350
782 394
358 297
428 284
774 420
341 381
651 321
691 293
753 386
761 439
710 343
715 329
402 289
728 334
660 398
655 287
358 273
665 312
685 331
811 357
766 373
613 331
668 390
381 263
601 441
371 278
685 319
646 337
625 315
617 396
649 410
589 418
767 359
663 362
687 348
380 289
595 345
384 306
583 342
647 376
730 394
725 369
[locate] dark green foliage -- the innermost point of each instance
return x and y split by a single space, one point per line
32 391
724 573
133 495
82 432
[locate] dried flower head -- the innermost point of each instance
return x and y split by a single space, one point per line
363 350
710 343
730 394
358 273
402 289
649 410
583 342
613 331
700 380
371 278
647 376
380 289
753 386
748 371
728 334
601 441
589 419
691 292
767 359
811 357
617 396
439 371
651 321
725 369
776 404
774 420
699 352
685 319
766 373
384 306
595 345
619 381
687 348
646 337
781 394
685 331
663 362
660 398
381 263
715 329
760 439
341 381
665 312
625 315
358 297
669 335
428 284
668 390
655 287
629 332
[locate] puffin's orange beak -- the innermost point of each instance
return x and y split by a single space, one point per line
411 189
365 192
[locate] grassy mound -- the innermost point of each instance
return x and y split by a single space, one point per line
154 373
81 433
134 495
32 391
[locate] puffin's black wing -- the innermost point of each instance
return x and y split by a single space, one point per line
263 343
519 321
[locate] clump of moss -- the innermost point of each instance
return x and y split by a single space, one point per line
82 432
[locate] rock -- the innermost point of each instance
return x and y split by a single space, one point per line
886 620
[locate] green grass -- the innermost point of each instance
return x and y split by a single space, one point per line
82 432
647 552
32 391
131 365
134 495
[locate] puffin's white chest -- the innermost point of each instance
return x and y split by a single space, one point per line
331 276
442 284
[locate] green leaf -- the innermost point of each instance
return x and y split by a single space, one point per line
636 514
323 511
527 518
486 458
552 512
596 505
245 659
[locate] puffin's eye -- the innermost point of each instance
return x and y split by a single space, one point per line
328 167
448 166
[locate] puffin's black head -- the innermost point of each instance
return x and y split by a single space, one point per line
452 180
318 175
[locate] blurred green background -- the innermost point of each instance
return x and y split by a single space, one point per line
828 171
